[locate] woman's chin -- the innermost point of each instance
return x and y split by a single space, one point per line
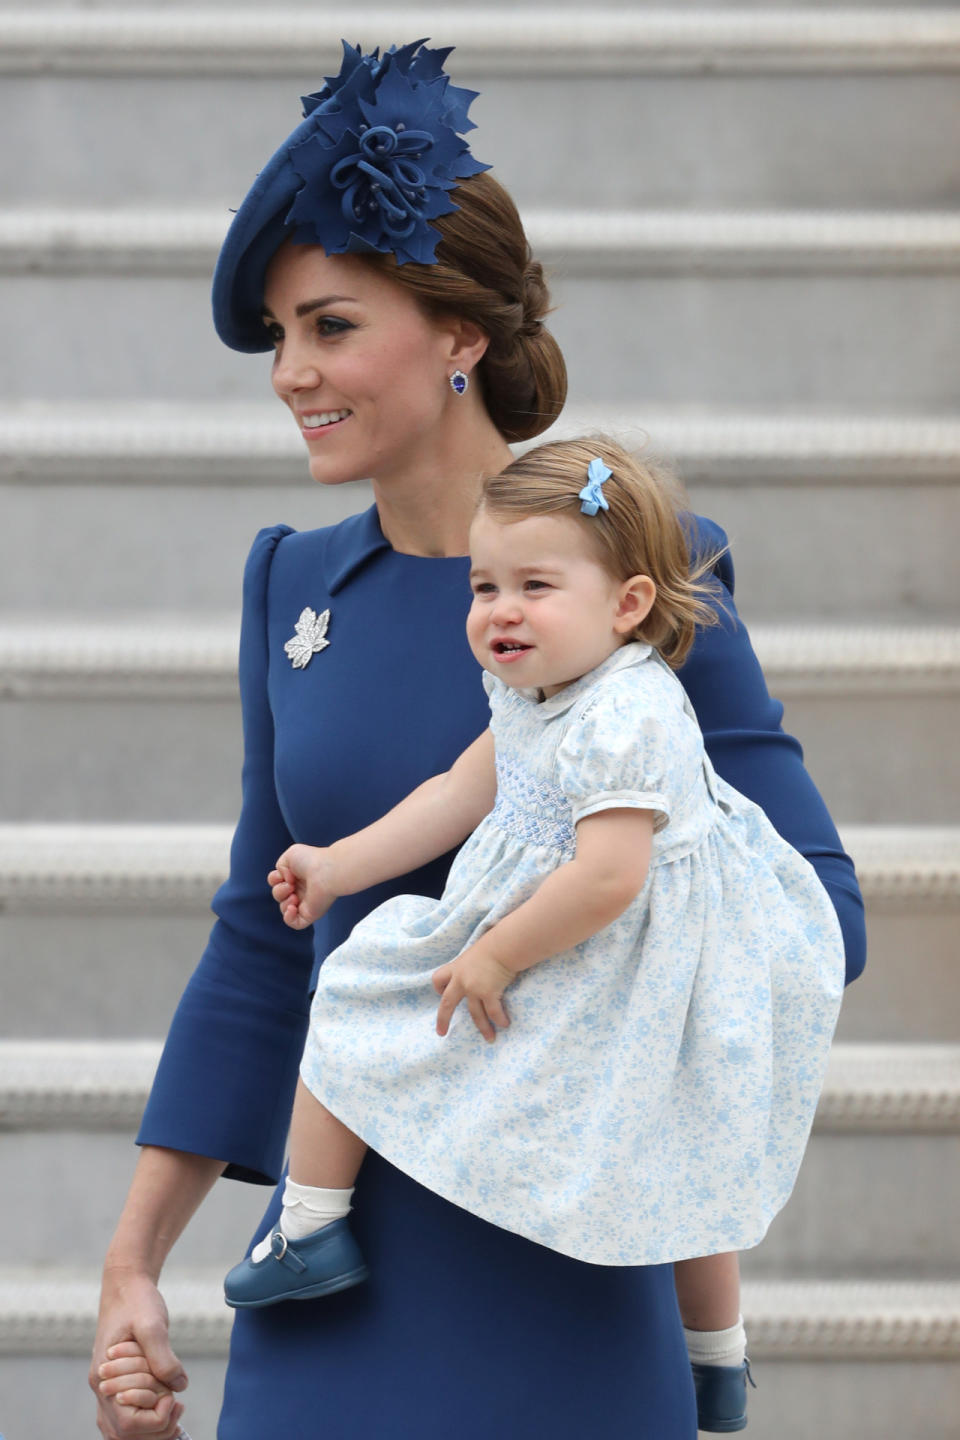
326 474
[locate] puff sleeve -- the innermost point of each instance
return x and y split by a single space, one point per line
748 747
608 761
225 1082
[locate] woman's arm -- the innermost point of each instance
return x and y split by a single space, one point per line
238 1031
167 1188
235 1041
744 739
575 901
431 820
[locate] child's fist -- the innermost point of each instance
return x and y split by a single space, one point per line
302 885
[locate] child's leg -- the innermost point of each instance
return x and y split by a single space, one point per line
708 1291
708 1294
323 1151
324 1159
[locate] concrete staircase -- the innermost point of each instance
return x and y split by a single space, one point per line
753 221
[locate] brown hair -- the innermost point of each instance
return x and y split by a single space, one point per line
640 534
486 273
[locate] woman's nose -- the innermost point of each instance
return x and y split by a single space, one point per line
294 368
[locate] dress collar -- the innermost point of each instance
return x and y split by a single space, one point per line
622 659
350 545
353 542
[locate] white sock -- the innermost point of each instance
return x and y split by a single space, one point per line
306 1208
717 1347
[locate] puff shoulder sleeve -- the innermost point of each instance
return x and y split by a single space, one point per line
744 738
226 1077
615 755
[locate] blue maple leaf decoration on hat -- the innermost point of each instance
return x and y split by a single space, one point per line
386 149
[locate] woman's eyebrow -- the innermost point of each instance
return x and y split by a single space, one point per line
306 307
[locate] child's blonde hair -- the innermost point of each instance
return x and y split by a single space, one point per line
640 534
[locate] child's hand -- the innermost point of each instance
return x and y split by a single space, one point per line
481 980
302 885
126 1377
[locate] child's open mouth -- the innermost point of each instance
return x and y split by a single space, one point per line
509 649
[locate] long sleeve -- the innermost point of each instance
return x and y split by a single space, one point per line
741 724
226 1078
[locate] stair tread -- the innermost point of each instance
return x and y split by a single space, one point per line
163 643
900 1087
187 239
506 41
52 1310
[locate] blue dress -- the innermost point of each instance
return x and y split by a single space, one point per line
571 1346
652 1097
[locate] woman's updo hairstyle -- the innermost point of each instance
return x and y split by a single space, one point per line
485 273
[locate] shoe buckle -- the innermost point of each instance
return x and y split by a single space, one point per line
280 1250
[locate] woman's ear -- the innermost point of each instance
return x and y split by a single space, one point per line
468 343
635 603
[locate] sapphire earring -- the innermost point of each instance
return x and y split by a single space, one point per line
459 382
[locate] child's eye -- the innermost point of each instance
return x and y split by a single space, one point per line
484 587
537 585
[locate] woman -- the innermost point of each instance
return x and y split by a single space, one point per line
409 347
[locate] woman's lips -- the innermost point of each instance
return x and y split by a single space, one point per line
321 422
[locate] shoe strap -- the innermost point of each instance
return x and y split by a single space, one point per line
280 1250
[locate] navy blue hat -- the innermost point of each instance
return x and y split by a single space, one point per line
366 170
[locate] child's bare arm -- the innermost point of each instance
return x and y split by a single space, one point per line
573 903
434 818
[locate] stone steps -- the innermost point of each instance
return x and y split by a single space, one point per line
138 720
186 242
818 1319
125 917
858 341
723 99
762 204
790 489
609 41
209 445
877 1360
102 1085
875 1196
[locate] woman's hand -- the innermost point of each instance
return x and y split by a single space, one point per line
479 978
134 1373
303 885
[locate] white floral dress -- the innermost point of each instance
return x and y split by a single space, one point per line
653 1095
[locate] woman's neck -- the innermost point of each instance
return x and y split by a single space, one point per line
427 509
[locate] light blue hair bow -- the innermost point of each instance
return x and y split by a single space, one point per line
591 497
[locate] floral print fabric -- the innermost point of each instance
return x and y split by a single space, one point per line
653 1095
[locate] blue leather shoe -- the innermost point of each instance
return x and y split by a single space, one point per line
319 1264
722 1397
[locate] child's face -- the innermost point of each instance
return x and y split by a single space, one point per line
544 610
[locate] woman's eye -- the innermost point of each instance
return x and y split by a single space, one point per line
274 331
332 325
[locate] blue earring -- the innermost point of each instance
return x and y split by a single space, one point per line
459 382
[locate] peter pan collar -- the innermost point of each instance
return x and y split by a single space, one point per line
628 655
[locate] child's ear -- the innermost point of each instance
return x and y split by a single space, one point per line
636 601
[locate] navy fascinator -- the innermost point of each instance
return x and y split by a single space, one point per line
366 171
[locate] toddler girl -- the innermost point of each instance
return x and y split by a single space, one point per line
660 971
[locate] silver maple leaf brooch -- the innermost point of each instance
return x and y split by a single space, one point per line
309 639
